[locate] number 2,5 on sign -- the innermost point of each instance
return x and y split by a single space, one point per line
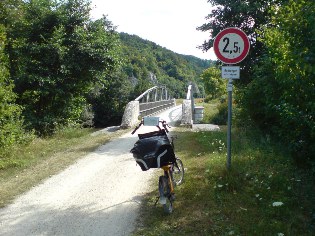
231 45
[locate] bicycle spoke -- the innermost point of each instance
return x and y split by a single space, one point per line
178 172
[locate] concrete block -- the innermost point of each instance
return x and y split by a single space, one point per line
131 114
186 113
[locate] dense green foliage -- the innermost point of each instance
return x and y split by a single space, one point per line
57 57
213 83
147 61
284 85
109 100
277 86
10 114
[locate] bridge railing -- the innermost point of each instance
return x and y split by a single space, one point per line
154 100
148 103
150 108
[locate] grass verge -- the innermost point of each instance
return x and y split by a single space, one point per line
263 194
26 166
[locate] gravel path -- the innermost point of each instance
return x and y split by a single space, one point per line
98 195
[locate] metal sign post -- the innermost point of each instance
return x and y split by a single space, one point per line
229 89
231 46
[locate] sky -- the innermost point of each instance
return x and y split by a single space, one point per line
169 23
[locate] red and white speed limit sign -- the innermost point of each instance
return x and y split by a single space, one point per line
231 45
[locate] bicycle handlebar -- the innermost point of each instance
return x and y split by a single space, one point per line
137 127
165 125
163 122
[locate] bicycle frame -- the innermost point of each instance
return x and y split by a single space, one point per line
167 170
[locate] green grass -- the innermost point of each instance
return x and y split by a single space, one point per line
215 201
209 111
27 165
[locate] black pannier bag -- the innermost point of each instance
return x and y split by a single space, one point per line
153 150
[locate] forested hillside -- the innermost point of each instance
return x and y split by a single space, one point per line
147 62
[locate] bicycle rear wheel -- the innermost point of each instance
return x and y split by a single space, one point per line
165 194
178 172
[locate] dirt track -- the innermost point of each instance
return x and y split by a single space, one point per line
98 195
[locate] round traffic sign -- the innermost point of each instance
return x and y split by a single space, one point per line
231 45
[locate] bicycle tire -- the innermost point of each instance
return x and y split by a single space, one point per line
165 194
178 172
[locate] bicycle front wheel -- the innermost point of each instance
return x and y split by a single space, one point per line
165 194
178 172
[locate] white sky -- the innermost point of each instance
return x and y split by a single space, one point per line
169 23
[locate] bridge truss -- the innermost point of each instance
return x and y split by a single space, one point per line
154 100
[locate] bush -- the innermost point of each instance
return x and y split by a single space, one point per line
208 98
221 117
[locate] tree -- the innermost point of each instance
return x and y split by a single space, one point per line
281 95
250 16
109 101
11 123
60 57
213 83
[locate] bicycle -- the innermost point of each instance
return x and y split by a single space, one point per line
156 150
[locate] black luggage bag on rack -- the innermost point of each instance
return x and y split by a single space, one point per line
153 150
